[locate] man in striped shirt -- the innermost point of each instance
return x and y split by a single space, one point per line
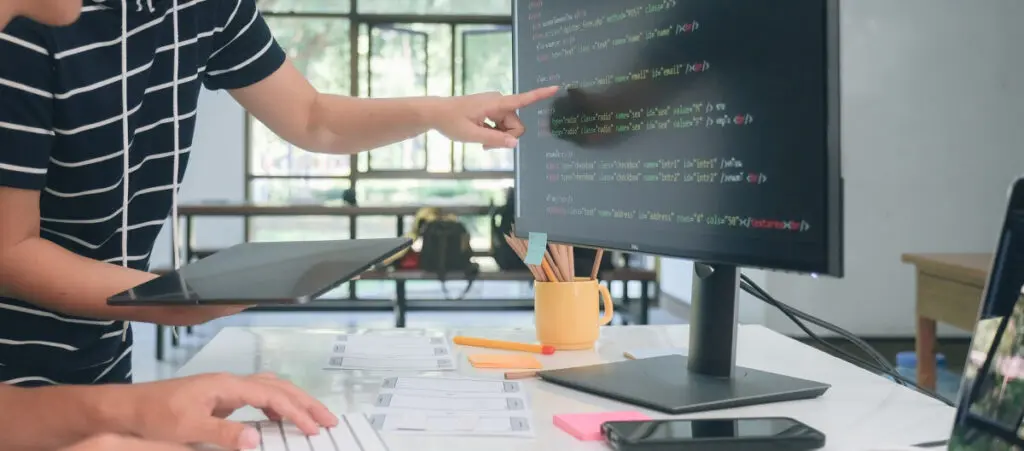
177 412
97 121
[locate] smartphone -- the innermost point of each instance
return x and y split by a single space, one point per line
725 434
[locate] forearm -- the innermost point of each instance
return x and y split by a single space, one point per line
346 125
45 274
50 418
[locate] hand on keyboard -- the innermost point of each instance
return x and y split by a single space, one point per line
118 443
192 409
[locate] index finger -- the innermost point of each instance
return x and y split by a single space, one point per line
317 409
261 395
517 101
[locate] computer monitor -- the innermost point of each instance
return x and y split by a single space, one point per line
700 129
990 414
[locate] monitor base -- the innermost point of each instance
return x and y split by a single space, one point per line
666 385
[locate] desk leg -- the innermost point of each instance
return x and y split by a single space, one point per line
400 303
925 345
159 343
643 316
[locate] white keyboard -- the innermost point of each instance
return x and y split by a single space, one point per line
353 433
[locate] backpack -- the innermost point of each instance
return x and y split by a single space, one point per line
502 218
445 248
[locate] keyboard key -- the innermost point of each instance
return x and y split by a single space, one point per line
342 436
296 439
322 442
273 439
368 438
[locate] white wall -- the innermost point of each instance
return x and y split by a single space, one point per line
215 173
932 102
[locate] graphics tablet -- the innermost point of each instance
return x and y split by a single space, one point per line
291 272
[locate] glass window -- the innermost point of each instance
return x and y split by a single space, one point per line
310 191
320 49
402 60
485 57
386 192
304 6
298 228
460 7
394 60
377 226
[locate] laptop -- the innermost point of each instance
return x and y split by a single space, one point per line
290 272
990 413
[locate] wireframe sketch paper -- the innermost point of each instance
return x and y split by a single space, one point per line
452 423
448 385
391 353
452 406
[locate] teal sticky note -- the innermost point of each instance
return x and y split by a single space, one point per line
535 249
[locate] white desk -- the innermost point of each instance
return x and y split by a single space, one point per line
860 412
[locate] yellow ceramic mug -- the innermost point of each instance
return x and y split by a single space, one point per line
568 314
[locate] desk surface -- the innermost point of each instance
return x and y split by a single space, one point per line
860 412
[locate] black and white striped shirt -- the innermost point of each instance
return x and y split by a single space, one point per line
62 133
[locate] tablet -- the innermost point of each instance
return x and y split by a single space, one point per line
289 272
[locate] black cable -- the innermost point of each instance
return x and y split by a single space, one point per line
864 346
834 349
881 365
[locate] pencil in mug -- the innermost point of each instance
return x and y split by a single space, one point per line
564 263
538 274
597 264
544 272
552 267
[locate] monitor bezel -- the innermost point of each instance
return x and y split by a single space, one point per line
829 263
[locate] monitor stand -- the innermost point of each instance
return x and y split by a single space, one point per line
708 379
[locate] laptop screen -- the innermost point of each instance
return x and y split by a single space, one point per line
990 416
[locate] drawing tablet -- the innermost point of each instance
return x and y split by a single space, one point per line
293 272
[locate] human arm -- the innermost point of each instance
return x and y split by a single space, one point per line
181 411
41 272
111 442
32 268
290 106
249 64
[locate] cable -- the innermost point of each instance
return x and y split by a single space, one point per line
880 364
864 346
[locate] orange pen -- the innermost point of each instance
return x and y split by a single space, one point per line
504 345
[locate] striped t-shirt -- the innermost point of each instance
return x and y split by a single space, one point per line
61 132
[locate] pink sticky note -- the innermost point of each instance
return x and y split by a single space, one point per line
587 426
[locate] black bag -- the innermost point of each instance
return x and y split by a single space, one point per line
445 248
502 218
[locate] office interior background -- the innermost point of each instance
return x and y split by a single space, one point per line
924 173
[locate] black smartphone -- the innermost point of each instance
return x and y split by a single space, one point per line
725 434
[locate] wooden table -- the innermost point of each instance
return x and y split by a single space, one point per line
949 290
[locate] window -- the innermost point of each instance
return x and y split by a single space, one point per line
384 48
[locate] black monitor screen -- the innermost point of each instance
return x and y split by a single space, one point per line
703 129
